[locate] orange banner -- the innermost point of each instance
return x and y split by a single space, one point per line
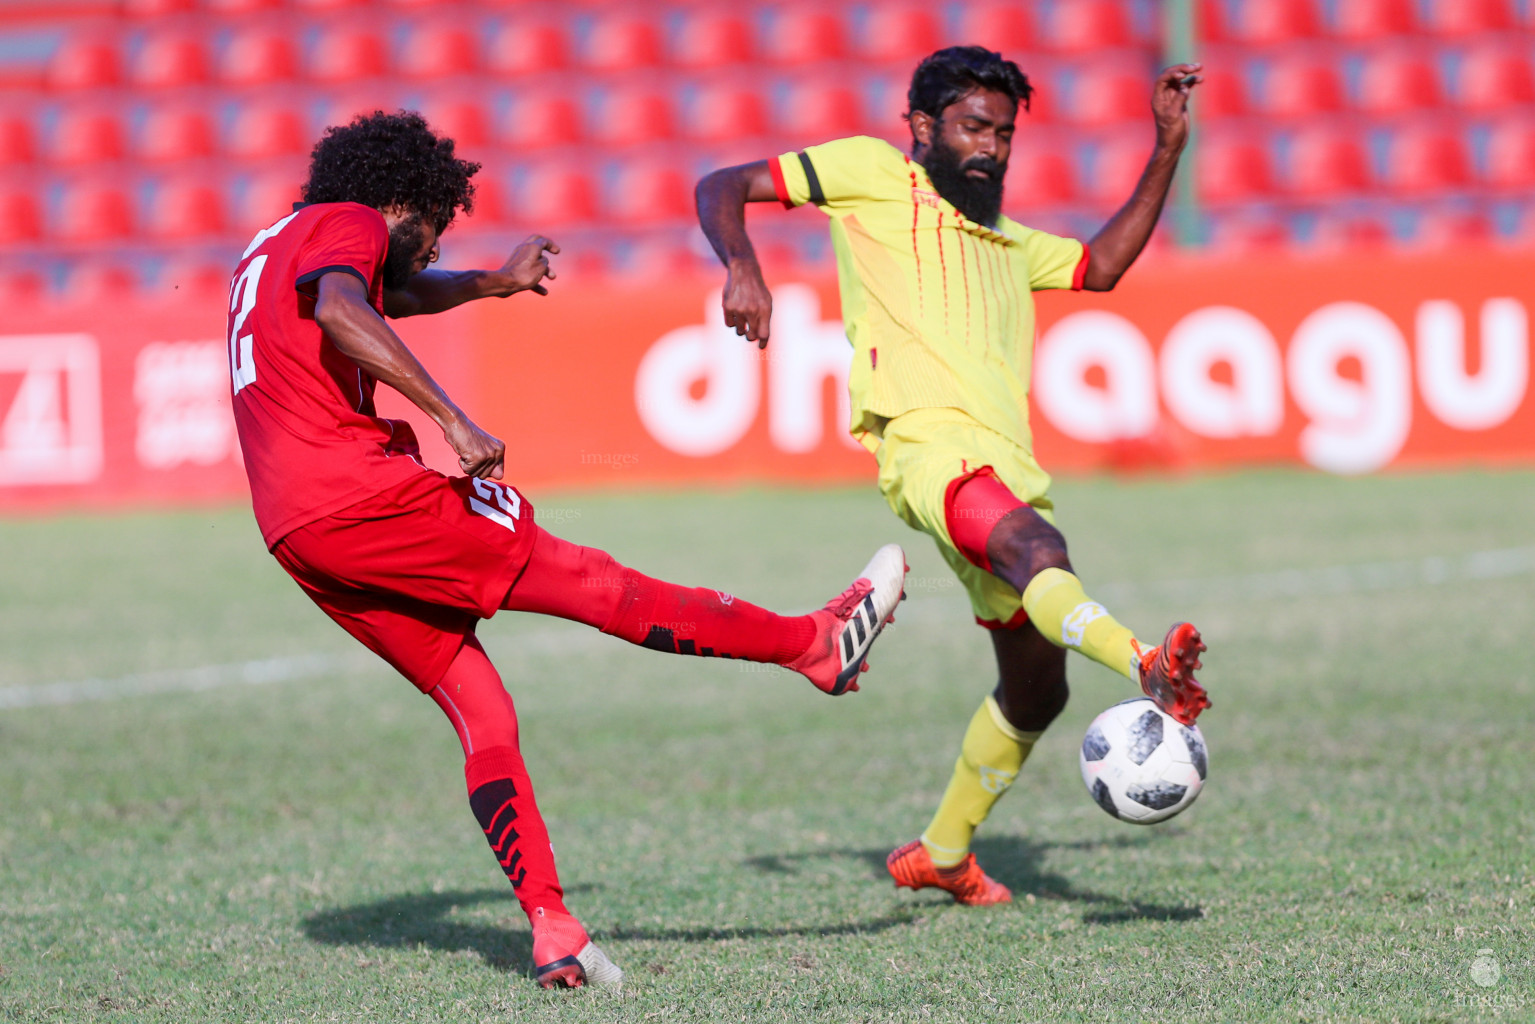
1350 366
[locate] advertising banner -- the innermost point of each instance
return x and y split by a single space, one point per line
1350 366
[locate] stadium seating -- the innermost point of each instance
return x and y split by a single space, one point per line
1494 78
519 47
816 110
1470 17
1324 163
437 50
1267 22
261 130
1233 168
1301 86
93 211
804 35
725 112
20 218
1085 26
711 39
344 53
1108 94
1424 160
1511 156
629 117
1041 177
1398 82
650 194
537 121
257 58
84 62
18 143
554 196
620 42
185 209
265 199
462 117
1373 19
1006 27
905 33
1221 94
172 134
169 61
86 136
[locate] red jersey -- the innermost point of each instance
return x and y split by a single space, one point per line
311 438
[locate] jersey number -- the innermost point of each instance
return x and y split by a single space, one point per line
242 299
511 504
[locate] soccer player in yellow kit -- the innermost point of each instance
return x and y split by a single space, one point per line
937 298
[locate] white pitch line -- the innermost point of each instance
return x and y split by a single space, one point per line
1248 587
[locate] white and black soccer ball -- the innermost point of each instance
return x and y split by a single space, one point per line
1142 765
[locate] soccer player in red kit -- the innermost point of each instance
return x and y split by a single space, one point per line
408 560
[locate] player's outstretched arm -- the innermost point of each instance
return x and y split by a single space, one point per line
1114 248
352 324
721 197
432 291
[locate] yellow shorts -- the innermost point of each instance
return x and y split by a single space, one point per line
921 454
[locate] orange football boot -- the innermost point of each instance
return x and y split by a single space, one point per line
913 868
1167 674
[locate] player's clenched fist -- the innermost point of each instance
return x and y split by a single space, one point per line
479 454
748 303
529 264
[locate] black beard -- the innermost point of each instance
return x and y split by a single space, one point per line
979 199
405 240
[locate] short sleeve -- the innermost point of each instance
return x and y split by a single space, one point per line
1054 262
841 173
350 238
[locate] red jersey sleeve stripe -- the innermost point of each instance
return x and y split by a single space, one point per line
1079 276
780 187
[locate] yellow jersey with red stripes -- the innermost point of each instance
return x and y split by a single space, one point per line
939 309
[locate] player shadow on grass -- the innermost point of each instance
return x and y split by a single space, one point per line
422 919
1016 863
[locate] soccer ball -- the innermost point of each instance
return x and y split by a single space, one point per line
1140 764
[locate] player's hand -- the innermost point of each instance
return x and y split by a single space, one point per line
529 265
479 454
748 303
1170 102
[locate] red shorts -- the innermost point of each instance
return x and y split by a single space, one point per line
412 570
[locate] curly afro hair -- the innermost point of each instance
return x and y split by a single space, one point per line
383 160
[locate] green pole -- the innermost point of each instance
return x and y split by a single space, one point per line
1181 34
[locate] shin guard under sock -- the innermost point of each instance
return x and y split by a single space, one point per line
501 796
989 759
1067 617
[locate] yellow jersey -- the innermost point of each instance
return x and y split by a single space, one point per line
939 309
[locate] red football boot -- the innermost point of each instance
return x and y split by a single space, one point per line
850 623
1167 674
912 867
563 955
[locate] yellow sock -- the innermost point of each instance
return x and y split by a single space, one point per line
1067 617
989 760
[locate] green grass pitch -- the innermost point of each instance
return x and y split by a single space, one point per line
303 850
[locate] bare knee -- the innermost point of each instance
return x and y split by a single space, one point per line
1023 545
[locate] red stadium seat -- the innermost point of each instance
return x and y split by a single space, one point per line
1495 79
1302 87
1116 168
711 39
519 47
1233 169
1511 156
193 275
437 50
632 116
18 287
1470 17
156 8
620 42
652 194
257 58
461 118
1349 233
315 5
539 121
266 200
1004 27
819 110
1266 22
1221 94
904 33
721 113
84 136
1037 177
260 130
17 143
1370 19
1423 160
1394 83
1248 234
93 212
1442 229
491 205
185 209
84 63
1108 94
169 61
804 35
1325 162
20 218
344 53
1082 26
171 134
554 196
228 7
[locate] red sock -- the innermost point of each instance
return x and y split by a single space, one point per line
587 585
500 792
